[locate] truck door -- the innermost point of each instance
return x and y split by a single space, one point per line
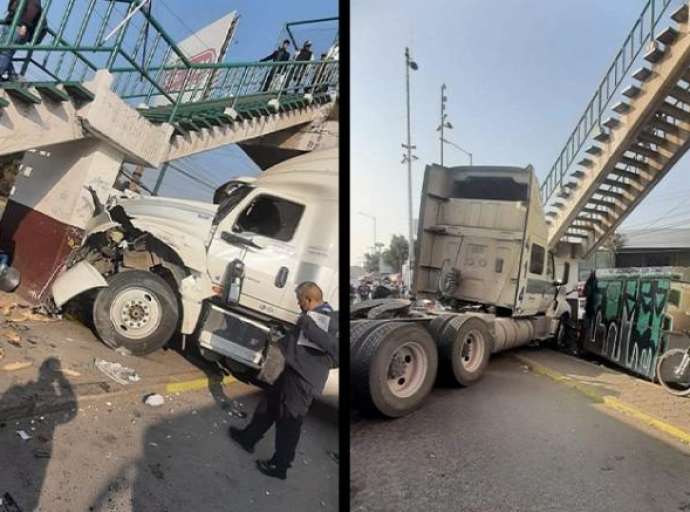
536 285
260 232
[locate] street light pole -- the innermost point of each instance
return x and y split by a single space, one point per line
409 64
443 108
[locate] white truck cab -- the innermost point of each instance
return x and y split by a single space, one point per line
225 273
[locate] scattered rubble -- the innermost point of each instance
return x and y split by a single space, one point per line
154 400
13 367
117 372
23 435
13 337
69 373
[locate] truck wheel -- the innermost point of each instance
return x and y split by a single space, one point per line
358 331
394 369
438 325
137 311
464 350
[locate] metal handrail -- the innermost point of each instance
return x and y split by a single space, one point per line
157 80
641 33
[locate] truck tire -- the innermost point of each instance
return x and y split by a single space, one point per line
358 330
464 350
361 309
438 325
138 311
394 369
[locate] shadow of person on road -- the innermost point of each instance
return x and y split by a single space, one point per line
23 477
188 462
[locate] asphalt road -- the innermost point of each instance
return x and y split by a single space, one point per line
122 455
514 442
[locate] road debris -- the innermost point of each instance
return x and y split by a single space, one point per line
117 372
154 400
13 337
123 351
23 435
233 411
42 454
69 373
13 367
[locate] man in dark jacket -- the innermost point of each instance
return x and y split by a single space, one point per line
304 55
26 26
287 402
280 55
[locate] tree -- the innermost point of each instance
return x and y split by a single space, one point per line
397 253
371 262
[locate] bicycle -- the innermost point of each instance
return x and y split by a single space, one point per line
673 371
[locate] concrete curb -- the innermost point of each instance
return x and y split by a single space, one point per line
41 404
597 395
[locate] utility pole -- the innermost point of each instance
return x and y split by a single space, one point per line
409 64
444 123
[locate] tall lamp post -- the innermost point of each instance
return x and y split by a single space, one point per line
408 157
458 147
444 123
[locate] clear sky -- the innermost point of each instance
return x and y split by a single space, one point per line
519 74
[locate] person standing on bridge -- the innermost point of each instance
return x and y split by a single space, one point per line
26 26
310 352
280 55
304 55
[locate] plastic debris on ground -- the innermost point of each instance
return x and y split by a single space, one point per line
233 411
23 435
154 400
13 367
123 351
117 372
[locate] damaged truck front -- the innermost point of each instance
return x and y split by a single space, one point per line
224 273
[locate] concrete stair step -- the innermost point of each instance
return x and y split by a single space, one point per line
680 15
642 74
655 53
586 162
667 36
594 150
631 91
612 122
621 107
601 136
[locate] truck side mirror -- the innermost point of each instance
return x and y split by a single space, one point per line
565 277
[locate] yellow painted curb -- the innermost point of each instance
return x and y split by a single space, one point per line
609 401
191 385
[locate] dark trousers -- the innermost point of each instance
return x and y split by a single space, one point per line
286 404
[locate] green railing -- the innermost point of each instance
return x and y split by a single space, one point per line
642 32
149 69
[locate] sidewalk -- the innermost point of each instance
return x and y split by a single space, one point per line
641 399
63 352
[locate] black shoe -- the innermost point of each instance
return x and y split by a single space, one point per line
270 469
236 435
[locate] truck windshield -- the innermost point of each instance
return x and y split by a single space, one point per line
493 188
234 193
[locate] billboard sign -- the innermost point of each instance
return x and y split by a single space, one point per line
207 46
